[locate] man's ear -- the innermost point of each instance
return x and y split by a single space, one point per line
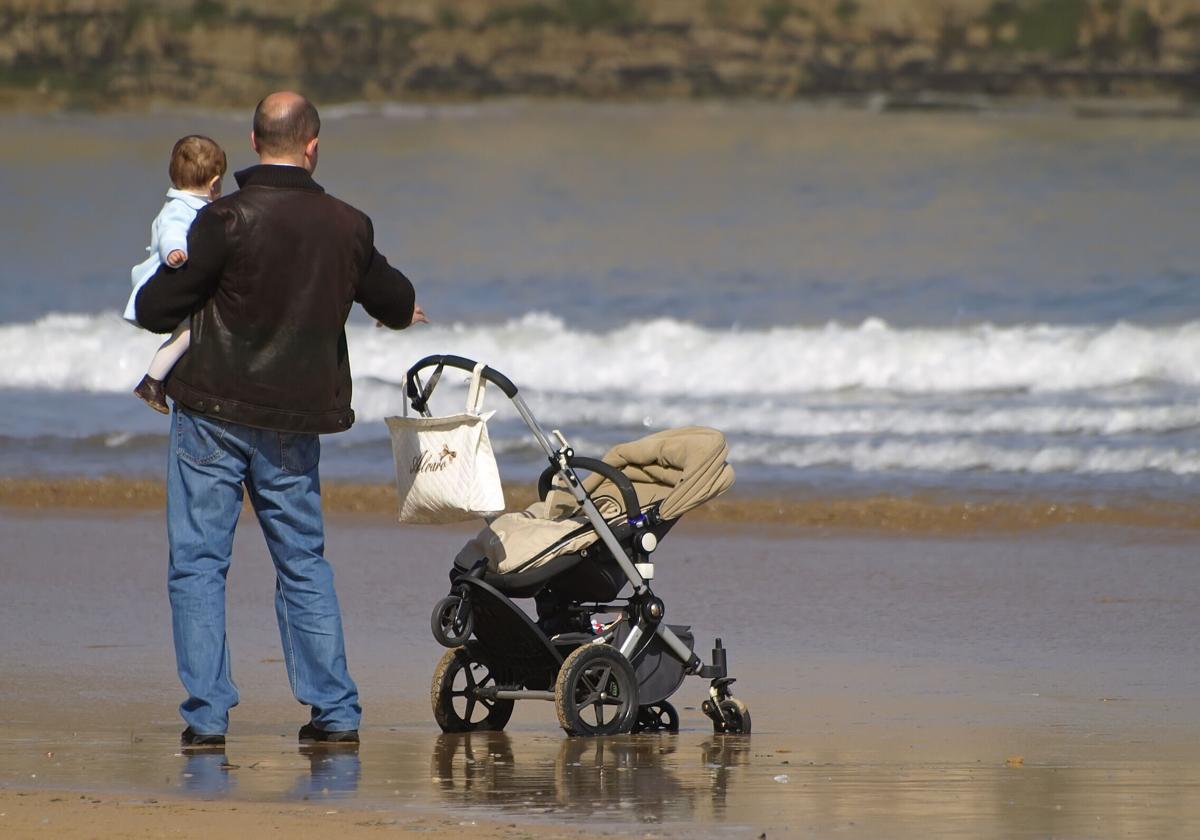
253 141
311 149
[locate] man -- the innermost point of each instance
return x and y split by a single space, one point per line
272 272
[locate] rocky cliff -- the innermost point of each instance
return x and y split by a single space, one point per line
103 53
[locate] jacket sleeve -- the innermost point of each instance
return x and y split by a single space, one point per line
385 292
173 226
172 294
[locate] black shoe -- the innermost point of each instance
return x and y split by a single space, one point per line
153 393
310 734
190 740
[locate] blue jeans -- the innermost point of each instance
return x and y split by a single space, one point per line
209 463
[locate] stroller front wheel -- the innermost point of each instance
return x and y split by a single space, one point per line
657 717
730 716
457 706
596 692
452 621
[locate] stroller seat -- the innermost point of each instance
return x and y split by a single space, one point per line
672 472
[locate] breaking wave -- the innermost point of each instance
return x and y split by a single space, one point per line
870 398
667 357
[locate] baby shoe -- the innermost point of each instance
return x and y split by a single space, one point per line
152 393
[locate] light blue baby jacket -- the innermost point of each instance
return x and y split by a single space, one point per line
168 233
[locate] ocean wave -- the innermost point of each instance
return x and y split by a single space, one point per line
375 400
898 456
670 358
947 456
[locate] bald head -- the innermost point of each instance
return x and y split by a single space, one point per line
285 124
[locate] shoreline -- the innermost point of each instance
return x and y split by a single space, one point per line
917 514
1135 106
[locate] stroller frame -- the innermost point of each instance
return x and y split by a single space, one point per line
594 670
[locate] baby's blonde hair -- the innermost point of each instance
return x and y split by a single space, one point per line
195 161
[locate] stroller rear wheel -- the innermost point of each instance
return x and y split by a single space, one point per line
596 692
454 693
657 717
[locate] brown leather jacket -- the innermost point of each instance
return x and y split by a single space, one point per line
272 272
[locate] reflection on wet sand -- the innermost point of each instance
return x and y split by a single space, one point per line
693 783
633 777
724 783
206 774
332 771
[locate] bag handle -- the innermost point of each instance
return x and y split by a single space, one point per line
475 392
420 395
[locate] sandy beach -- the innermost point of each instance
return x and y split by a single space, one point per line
983 682
943 513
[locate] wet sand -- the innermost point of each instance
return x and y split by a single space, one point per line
1019 683
912 514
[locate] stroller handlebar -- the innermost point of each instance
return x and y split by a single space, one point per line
462 363
624 485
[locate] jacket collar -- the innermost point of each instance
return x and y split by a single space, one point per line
275 175
190 199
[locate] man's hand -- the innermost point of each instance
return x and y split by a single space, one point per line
418 317
176 258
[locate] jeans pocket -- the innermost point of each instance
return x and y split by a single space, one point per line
198 439
299 454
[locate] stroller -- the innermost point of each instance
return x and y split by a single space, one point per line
608 663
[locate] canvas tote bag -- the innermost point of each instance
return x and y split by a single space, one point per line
445 468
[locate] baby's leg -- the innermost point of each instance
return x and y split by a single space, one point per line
150 390
171 351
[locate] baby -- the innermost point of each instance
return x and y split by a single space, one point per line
197 166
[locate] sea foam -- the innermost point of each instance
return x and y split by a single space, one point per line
670 358
869 398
